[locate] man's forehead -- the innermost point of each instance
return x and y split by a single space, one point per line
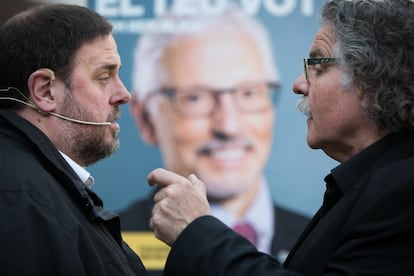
99 54
323 43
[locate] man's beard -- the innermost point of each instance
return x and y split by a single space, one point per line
89 145
86 143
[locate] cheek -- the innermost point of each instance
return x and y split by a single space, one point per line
260 129
179 137
335 111
325 103
182 132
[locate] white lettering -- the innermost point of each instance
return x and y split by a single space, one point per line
113 8
136 26
185 7
251 7
132 8
160 8
106 7
213 7
128 9
280 9
307 7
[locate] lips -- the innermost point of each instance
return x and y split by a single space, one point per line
114 124
114 115
114 118
226 150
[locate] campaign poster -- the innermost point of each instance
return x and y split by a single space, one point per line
294 171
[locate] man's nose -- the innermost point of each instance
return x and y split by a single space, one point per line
226 116
121 95
301 85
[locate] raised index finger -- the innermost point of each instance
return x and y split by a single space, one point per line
164 178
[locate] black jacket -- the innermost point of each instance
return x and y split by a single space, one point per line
369 230
289 225
51 224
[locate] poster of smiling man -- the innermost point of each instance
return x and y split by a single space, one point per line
211 94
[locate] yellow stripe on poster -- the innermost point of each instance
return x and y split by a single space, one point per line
152 251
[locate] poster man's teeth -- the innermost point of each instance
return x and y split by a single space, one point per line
227 154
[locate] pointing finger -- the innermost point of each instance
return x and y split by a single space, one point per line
164 178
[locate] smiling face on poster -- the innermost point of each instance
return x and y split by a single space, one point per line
294 171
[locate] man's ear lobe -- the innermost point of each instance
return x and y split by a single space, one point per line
40 85
143 121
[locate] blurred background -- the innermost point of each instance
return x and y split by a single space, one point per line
295 172
9 8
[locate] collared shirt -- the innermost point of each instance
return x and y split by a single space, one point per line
83 174
355 168
260 215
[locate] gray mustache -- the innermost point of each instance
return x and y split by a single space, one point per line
303 106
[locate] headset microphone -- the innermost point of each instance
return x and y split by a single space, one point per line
75 120
51 113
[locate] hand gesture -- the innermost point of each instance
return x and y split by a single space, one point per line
177 204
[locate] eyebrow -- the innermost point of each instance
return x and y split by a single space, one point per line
112 67
315 54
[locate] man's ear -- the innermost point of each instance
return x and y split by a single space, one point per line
40 84
143 121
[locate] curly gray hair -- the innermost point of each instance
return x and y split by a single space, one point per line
375 44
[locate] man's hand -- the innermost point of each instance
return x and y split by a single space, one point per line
177 204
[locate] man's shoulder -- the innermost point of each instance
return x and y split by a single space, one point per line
289 223
288 227
284 214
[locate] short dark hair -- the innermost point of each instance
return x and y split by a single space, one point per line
375 43
45 36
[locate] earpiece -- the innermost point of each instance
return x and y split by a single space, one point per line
52 74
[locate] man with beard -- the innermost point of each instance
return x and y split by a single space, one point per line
358 95
60 97
206 98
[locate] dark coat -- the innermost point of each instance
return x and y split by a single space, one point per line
289 225
51 224
368 231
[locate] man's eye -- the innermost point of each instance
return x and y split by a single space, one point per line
104 78
192 97
317 69
249 93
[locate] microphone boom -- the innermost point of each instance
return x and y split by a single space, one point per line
52 113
